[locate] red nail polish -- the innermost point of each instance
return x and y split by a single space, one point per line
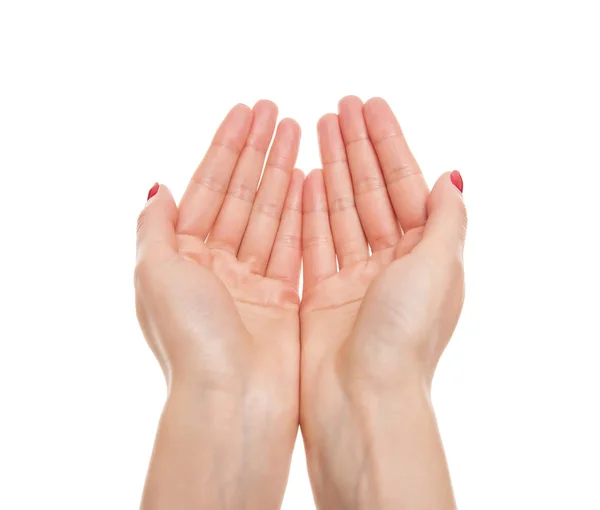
153 191
456 179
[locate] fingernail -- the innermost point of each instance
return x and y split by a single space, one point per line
456 179
153 191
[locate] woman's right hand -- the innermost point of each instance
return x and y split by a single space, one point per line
221 316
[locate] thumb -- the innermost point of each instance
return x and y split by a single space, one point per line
156 224
446 224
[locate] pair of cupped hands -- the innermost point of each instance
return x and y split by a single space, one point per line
217 295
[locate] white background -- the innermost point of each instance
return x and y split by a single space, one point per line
101 99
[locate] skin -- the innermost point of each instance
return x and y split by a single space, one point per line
217 299
373 331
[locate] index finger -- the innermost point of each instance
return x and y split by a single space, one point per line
406 185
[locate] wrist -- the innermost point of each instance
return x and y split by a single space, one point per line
384 363
374 380
373 445
195 378
217 439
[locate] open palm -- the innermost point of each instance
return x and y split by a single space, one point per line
217 293
234 250
253 237
367 208
390 307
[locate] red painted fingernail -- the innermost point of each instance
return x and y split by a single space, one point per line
456 179
153 191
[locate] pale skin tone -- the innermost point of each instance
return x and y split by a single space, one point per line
246 362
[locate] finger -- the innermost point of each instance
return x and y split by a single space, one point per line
205 193
405 182
348 236
318 252
285 260
156 225
370 194
446 226
268 205
232 220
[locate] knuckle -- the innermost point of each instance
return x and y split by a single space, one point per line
389 135
315 241
241 192
212 183
270 209
352 248
279 163
293 206
230 145
400 172
360 139
341 204
291 241
335 156
258 142
384 241
368 184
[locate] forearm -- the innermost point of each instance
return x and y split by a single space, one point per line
393 454
204 456
406 455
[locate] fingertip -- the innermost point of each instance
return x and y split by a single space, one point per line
153 191
349 102
167 192
266 111
235 127
286 143
314 197
263 125
457 180
380 119
159 192
241 108
240 112
328 128
298 176
351 119
289 124
445 196
314 175
265 105
376 103
157 219
327 120
449 182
